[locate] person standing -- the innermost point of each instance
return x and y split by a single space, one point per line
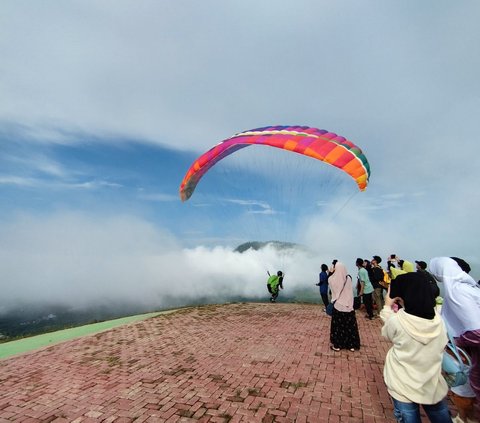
377 280
461 310
274 283
323 284
397 266
343 327
366 288
413 365
331 270
422 269
405 265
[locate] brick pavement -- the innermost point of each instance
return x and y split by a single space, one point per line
251 362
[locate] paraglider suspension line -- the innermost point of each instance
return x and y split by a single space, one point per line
344 205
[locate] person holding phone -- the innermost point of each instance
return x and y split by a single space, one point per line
413 365
323 284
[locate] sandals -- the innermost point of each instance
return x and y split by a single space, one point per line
338 349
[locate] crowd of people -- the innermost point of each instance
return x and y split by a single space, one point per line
417 320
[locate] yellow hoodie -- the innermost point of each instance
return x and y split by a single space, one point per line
413 365
406 267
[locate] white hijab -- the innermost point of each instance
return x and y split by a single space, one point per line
461 305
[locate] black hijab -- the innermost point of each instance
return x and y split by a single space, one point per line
416 293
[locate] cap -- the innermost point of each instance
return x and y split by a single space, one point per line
377 259
422 264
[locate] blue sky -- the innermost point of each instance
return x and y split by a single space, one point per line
104 105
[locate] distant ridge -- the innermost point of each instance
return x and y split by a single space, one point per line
258 245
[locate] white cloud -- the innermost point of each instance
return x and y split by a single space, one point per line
81 259
398 79
415 228
17 180
52 184
92 185
157 197
254 206
183 76
34 162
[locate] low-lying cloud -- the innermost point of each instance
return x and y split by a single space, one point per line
82 260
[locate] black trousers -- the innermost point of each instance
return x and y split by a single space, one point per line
325 299
367 300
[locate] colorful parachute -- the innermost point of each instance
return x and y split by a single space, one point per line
317 143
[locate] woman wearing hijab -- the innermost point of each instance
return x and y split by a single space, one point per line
461 309
413 365
343 329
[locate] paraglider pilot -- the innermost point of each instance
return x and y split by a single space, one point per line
274 283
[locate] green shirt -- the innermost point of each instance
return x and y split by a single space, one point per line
363 276
273 282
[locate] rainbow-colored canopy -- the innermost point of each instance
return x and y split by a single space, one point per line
317 143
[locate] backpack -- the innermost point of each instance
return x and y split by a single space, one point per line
456 364
386 279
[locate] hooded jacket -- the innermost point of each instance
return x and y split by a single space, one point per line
412 371
407 267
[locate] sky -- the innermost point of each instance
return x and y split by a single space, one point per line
104 105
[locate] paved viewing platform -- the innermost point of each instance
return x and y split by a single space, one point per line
246 362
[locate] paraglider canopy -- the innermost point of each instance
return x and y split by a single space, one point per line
319 144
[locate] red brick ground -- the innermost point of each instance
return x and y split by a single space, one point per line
228 363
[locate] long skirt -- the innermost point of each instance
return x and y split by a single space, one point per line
344 330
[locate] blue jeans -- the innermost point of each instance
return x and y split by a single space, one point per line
409 412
